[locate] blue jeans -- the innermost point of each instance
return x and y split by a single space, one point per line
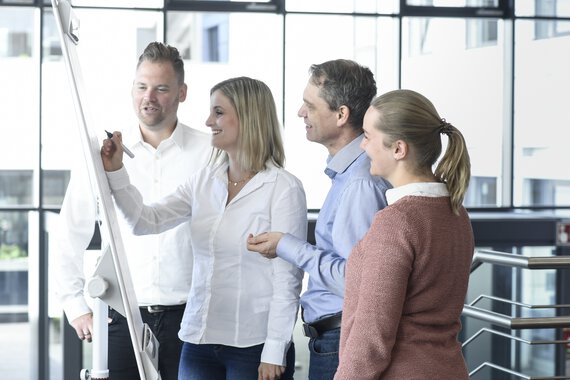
324 355
219 362
121 361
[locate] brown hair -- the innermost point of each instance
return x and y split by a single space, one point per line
345 82
159 52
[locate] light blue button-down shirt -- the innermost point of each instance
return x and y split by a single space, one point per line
353 199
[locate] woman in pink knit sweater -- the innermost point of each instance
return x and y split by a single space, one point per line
406 280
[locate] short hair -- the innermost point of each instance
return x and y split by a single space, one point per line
345 82
259 131
159 52
409 116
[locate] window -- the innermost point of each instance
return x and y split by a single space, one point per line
481 33
497 73
344 6
541 117
118 3
211 46
15 187
218 46
216 37
55 184
455 3
461 83
548 28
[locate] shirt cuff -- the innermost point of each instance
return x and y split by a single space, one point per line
75 308
275 352
118 179
288 247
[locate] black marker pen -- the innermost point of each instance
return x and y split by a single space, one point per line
125 149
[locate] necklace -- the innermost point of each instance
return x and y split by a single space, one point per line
235 183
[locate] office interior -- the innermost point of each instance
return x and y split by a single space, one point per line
496 69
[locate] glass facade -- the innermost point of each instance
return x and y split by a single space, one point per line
500 76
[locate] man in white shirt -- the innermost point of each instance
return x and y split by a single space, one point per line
166 154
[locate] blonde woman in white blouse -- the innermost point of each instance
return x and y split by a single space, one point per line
241 309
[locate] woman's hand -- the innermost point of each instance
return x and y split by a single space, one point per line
268 371
112 153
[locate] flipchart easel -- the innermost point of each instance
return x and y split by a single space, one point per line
111 284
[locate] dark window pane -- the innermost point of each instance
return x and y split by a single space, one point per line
16 187
55 184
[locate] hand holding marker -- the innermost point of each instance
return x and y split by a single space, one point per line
125 149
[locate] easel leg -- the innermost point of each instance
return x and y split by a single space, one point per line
100 342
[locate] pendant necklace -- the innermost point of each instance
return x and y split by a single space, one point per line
235 183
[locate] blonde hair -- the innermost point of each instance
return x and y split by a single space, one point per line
409 116
259 137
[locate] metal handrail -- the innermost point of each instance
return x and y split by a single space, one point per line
525 305
525 262
511 372
511 337
514 260
515 322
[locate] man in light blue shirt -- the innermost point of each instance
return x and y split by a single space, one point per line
335 99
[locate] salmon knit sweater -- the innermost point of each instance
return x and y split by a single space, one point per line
406 282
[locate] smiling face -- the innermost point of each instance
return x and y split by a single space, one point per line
156 94
224 123
381 157
320 121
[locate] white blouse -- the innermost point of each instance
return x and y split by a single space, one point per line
237 298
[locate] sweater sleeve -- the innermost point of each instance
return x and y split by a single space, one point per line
377 280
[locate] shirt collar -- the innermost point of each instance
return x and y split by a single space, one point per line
177 135
220 171
424 189
344 157
133 137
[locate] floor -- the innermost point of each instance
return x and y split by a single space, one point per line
15 354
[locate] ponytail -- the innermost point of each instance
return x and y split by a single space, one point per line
454 168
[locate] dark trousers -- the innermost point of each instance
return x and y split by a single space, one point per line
164 325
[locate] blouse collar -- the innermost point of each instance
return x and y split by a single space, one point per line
424 189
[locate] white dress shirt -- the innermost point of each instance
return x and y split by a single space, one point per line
238 298
160 265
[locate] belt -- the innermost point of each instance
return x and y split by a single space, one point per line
316 328
162 308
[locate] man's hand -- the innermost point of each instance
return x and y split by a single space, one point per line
83 326
112 153
268 371
265 243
